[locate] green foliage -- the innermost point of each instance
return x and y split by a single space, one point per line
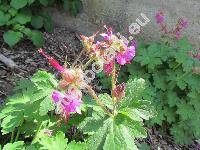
14 146
12 37
31 101
168 70
120 130
171 85
107 122
24 18
58 142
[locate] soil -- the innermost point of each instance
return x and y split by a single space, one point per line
62 45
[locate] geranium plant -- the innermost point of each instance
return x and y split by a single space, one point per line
171 69
44 107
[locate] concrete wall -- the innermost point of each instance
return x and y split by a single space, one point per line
121 13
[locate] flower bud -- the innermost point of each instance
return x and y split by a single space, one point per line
119 91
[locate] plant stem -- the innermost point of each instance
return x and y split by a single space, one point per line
113 87
99 102
176 66
18 131
17 136
87 64
39 128
113 76
185 74
12 136
79 56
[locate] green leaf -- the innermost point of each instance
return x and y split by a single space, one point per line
95 141
136 114
17 4
150 56
12 37
4 7
107 100
14 146
185 110
30 1
27 32
76 146
37 38
76 6
4 18
12 12
172 98
134 91
66 5
91 124
44 2
48 24
10 122
160 80
116 133
22 18
170 115
44 77
37 22
46 105
180 136
114 139
159 118
58 142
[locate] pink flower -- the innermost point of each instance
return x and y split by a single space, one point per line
125 57
197 56
178 34
159 17
47 132
52 61
108 68
107 36
67 78
67 103
183 23
119 91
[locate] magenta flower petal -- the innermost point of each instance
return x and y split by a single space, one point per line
183 23
108 68
159 17
105 36
56 96
69 102
127 56
121 59
119 91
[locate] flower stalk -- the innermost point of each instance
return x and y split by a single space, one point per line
113 87
99 102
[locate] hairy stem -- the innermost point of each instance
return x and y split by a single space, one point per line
38 130
113 87
17 136
87 64
79 56
185 74
176 66
12 136
99 102
18 131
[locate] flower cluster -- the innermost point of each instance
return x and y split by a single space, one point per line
108 52
71 82
180 26
111 48
68 102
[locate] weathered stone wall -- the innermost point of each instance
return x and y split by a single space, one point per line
121 13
